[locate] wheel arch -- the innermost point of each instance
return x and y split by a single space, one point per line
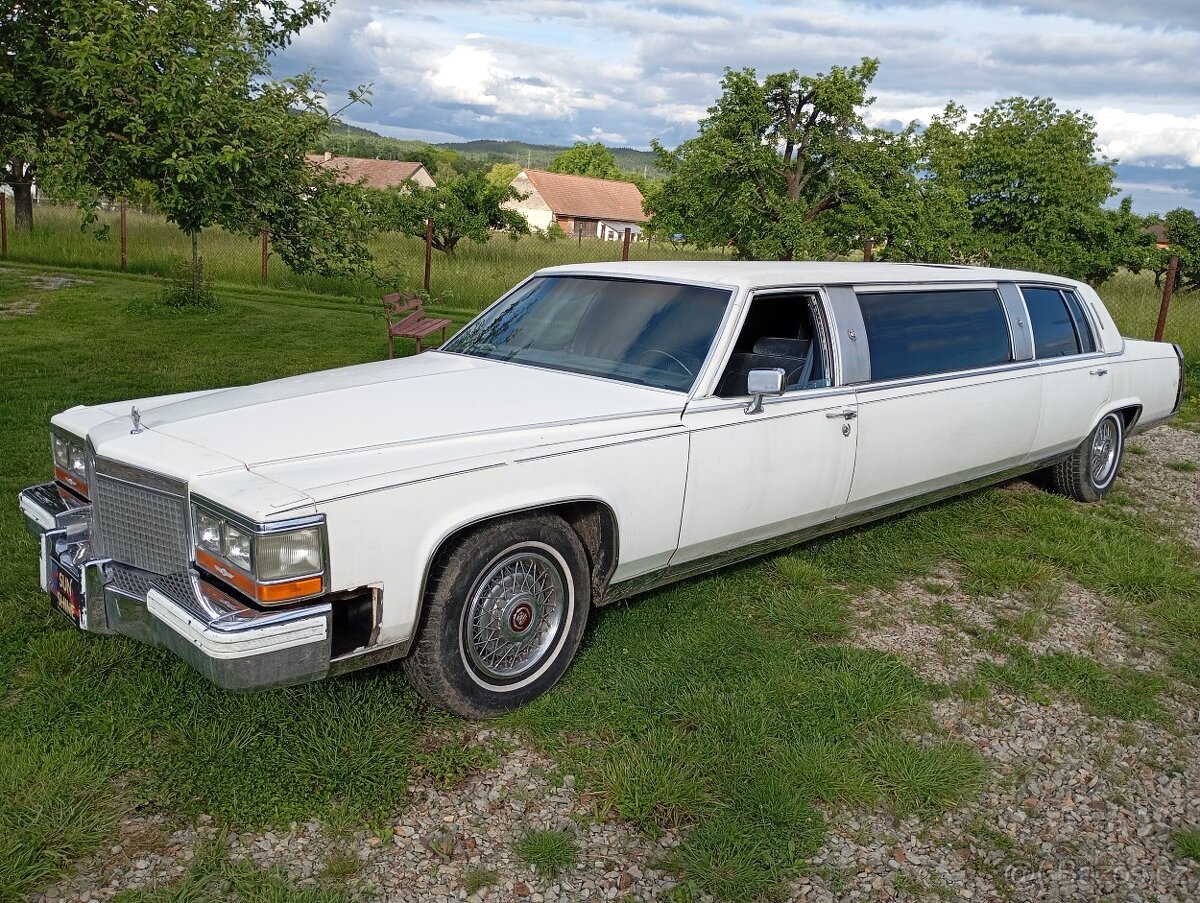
591 519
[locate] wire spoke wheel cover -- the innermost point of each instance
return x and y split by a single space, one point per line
1105 446
504 613
515 613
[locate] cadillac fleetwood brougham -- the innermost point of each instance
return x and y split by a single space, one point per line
598 431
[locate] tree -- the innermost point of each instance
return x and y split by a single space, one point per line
1035 184
583 159
503 173
177 94
786 167
468 207
1183 233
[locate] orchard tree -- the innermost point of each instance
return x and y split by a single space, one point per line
1183 234
468 207
177 95
503 173
786 167
583 159
1035 185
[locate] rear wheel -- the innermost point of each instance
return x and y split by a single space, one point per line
1089 473
503 617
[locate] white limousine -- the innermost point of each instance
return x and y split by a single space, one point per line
598 431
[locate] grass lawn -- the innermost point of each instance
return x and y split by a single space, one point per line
730 707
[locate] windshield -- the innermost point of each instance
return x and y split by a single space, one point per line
650 333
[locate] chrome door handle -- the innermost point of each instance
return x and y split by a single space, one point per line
843 415
1099 371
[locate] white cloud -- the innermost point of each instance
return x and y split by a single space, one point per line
598 134
1138 136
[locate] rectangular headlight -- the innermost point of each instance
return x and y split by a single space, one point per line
270 564
70 461
296 553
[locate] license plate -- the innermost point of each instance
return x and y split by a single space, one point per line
66 590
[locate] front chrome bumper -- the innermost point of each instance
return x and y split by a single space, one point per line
233 644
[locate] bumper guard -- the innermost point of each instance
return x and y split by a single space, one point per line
234 645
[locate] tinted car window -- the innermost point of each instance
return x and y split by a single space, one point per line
1082 329
650 333
916 333
1053 329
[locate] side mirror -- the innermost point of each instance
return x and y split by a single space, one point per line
760 383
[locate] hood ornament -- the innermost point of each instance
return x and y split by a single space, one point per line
136 416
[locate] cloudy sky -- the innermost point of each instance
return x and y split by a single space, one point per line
626 71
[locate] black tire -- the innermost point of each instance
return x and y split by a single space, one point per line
1091 470
504 613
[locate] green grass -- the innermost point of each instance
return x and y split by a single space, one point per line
549 852
728 706
474 277
1187 843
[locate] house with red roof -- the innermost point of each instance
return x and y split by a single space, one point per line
374 173
582 206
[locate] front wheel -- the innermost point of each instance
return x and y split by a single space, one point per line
1090 471
504 615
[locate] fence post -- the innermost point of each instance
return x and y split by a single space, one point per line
3 224
868 250
1168 290
625 245
428 250
266 253
124 236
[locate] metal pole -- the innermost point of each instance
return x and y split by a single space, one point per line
428 250
266 251
124 237
1168 290
3 224
625 245
868 250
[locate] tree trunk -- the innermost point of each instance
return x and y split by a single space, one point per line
195 266
22 186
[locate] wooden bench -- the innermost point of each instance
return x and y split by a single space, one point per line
406 320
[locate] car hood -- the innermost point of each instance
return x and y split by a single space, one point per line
320 432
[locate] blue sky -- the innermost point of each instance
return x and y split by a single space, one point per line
552 71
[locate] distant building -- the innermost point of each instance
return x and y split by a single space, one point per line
1159 231
582 206
374 173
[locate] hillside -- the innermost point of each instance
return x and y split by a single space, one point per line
359 142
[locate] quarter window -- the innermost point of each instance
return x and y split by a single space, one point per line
923 332
1059 325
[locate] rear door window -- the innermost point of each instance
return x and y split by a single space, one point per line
916 333
1059 325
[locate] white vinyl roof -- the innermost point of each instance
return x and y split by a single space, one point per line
751 274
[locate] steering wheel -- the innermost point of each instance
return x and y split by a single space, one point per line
682 366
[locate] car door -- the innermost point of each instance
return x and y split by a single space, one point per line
754 477
1076 384
952 394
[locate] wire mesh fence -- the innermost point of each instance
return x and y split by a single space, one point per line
466 281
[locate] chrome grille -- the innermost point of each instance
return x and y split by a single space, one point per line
139 518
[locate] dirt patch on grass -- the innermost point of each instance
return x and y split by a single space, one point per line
10 310
48 282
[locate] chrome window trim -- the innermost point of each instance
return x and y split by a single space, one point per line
1084 304
1010 367
940 375
1015 309
854 354
730 332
